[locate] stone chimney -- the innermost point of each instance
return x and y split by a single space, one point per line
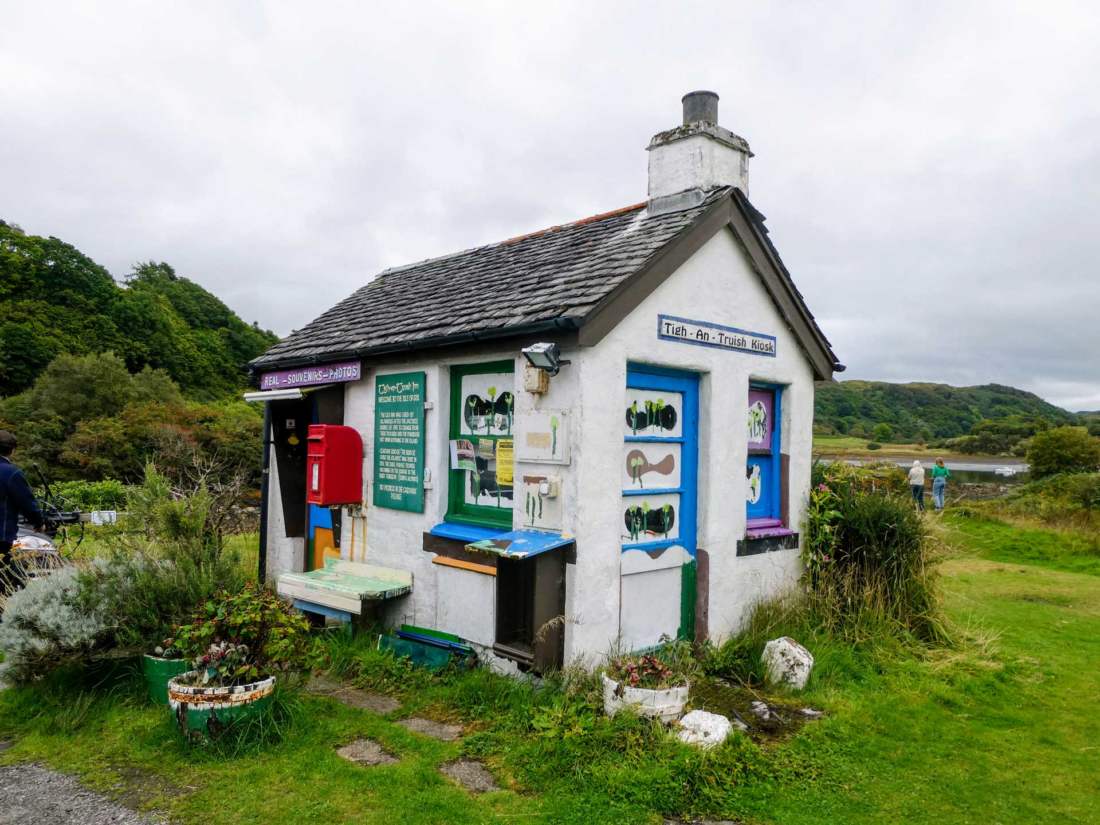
686 162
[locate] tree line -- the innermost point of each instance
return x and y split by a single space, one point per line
97 377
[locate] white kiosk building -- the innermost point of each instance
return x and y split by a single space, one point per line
597 434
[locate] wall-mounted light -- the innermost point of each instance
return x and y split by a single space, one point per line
544 356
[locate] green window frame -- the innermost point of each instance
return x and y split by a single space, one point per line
458 509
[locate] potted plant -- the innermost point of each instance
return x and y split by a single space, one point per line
163 664
653 684
238 644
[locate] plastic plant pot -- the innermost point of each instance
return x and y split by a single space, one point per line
158 672
206 710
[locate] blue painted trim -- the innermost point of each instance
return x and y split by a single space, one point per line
773 461
656 545
647 377
653 491
322 610
721 327
465 532
653 439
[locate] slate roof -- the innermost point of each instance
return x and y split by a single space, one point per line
534 283
558 273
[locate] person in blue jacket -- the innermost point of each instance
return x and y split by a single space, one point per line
16 499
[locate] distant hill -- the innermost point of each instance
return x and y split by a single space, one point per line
55 299
924 411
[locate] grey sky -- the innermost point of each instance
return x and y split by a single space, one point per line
929 170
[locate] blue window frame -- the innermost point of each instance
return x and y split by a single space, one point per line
763 499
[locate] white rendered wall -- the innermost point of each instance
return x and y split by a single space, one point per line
696 162
715 285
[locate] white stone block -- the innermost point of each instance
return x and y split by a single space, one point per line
704 729
787 662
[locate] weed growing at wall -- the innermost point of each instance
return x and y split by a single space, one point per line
868 557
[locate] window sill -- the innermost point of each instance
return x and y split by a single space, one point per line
767 540
466 532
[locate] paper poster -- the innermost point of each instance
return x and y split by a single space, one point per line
486 448
505 461
462 455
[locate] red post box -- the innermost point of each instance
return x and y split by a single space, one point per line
334 465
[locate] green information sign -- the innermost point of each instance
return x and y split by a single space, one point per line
399 441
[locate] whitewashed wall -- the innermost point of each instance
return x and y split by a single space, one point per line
715 285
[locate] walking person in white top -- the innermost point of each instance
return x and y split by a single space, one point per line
916 484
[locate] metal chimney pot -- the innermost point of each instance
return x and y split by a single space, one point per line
700 107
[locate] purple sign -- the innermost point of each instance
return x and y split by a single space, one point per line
311 376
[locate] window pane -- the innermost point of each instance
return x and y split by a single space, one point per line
650 518
760 419
487 404
654 413
650 465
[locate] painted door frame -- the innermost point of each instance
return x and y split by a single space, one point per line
649 377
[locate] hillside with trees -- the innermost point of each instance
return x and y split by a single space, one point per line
54 299
985 419
97 377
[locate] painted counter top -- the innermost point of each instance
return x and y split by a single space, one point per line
520 544
345 585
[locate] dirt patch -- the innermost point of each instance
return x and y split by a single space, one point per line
352 697
140 789
366 752
765 718
34 795
1051 599
5 745
429 727
470 774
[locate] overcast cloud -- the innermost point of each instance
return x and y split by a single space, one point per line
930 171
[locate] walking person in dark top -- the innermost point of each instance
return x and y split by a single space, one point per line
16 499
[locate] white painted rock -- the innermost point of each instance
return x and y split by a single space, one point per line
704 729
787 662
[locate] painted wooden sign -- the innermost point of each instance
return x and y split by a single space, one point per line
312 376
708 334
399 441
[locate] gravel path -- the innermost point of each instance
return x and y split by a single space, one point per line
33 795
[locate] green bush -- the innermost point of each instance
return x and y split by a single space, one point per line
866 556
873 445
108 494
47 624
1063 500
237 638
1063 450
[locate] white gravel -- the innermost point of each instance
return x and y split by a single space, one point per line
33 795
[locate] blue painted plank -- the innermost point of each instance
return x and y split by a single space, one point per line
322 610
464 532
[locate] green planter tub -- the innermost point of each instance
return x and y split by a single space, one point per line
158 672
209 709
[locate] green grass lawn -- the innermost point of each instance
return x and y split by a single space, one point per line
1000 728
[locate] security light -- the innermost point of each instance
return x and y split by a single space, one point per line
544 356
